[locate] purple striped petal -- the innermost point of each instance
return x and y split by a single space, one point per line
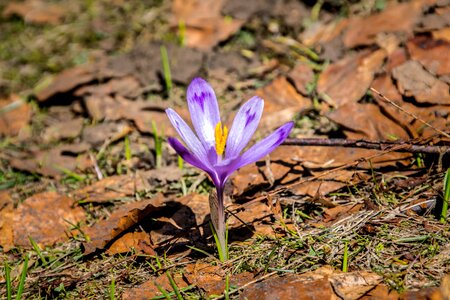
187 155
204 111
266 145
244 125
188 136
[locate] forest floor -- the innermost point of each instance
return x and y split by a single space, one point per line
95 204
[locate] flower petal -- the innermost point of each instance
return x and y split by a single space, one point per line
187 155
204 110
244 125
188 136
266 145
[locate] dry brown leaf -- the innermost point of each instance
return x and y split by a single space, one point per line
324 283
149 289
398 18
6 221
347 80
211 278
36 11
67 81
281 103
68 129
204 25
14 115
320 33
256 217
45 217
414 81
191 211
302 75
54 162
105 231
287 163
366 122
432 54
340 211
132 241
442 34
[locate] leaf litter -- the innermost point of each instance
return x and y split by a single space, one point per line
79 171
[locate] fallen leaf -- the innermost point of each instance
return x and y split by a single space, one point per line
54 162
69 129
281 103
111 188
45 217
302 76
414 81
432 54
6 221
150 290
14 115
127 86
36 11
340 211
367 122
211 278
105 231
399 18
442 34
347 80
132 241
324 283
189 212
204 25
320 33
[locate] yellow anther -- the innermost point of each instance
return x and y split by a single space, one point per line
221 135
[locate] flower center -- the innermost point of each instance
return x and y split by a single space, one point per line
221 135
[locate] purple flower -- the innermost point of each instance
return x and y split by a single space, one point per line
213 148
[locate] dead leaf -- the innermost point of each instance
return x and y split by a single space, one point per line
69 129
256 217
347 80
211 278
414 81
442 34
320 33
54 162
398 18
14 115
189 212
36 11
132 241
303 76
6 221
45 217
324 283
149 289
432 54
281 103
340 211
105 231
204 25
67 81
367 122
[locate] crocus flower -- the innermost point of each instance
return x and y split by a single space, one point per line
215 149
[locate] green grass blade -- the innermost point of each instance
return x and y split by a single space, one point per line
38 251
164 293
158 145
443 218
8 281
112 289
166 68
345 259
127 148
23 276
174 286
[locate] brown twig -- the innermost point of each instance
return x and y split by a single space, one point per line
409 113
399 146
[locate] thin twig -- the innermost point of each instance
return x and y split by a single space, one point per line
405 146
409 113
